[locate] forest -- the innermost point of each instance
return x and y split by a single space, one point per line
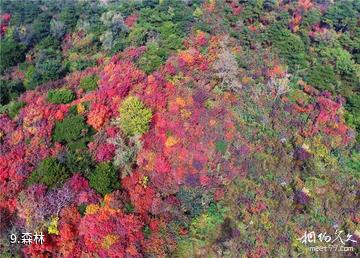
179 128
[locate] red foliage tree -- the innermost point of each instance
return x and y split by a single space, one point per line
108 232
4 22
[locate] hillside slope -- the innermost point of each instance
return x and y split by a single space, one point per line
179 128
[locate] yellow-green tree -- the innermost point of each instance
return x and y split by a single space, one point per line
134 116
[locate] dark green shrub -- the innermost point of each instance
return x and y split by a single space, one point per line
182 14
321 77
10 90
290 46
60 96
120 43
353 164
41 26
270 5
353 116
49 65
343 64
70 129
69 15
11 53
251 11
152 58
104 179
203 26
147 231
73 110
221 146
49 172
311 17
4 93
3 109
79 65
134 116
129 208
191 201
341 15
89 83
354 103
14 107
82 209
79 144
79 160
32 78
170 36
138 35
48 43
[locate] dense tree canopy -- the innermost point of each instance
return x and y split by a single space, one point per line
187 128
